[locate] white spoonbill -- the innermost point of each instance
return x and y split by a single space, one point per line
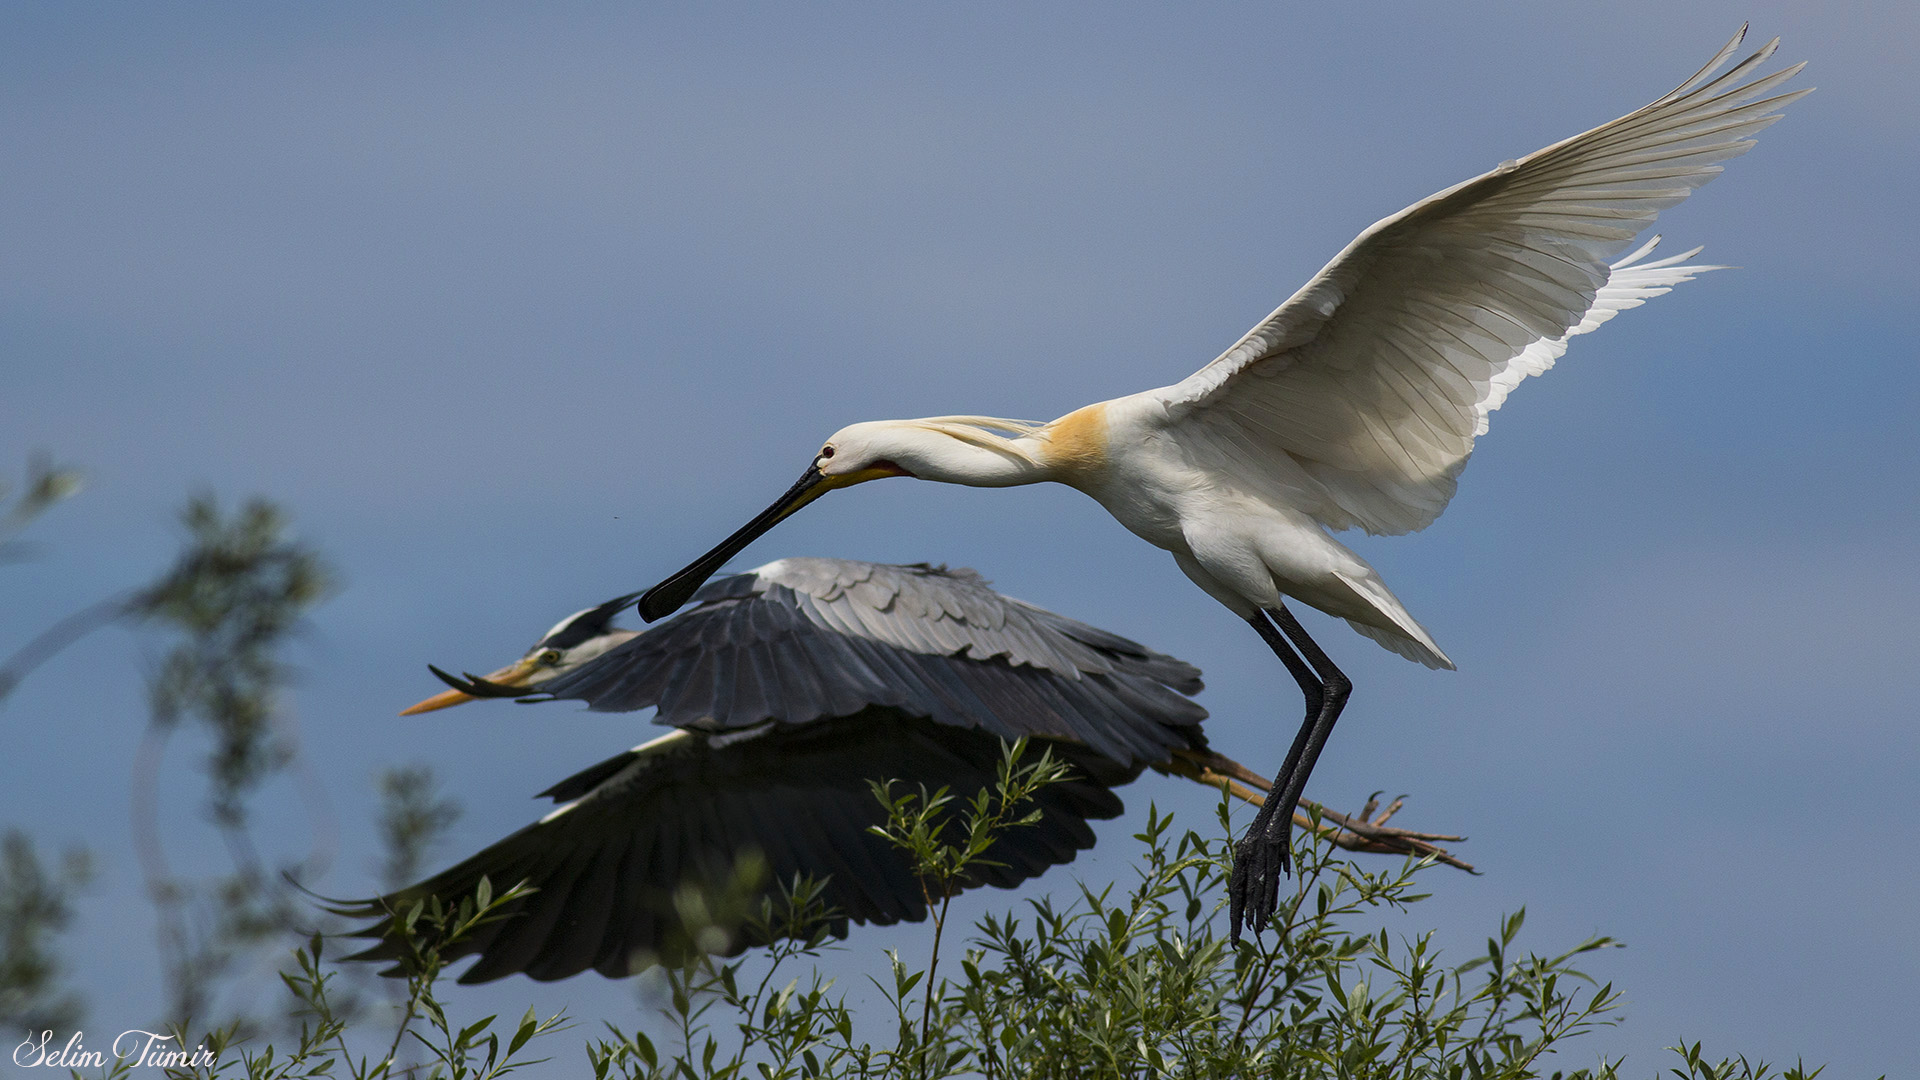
1354 404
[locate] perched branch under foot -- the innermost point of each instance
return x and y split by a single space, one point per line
1364 832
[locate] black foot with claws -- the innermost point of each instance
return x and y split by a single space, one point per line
1259 860
1268 860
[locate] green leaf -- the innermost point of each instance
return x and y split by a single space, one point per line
468 1033
529 1024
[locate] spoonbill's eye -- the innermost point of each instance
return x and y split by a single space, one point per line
826 451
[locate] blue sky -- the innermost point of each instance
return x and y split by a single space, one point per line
518 309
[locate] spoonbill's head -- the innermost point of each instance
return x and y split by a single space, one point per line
867 451
573 641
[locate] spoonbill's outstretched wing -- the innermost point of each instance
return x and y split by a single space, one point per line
1357 401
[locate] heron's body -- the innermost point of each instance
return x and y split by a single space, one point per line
1356 403
790 690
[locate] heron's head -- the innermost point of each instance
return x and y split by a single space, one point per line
574 640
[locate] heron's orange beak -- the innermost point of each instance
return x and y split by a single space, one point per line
442 700
514 675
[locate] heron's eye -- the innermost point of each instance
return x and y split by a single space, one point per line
549 658
826 451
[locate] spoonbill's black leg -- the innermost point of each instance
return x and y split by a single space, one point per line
1335 688
1263 854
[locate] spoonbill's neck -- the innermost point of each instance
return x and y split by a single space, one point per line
984 451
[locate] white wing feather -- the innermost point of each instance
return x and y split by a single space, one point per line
1360 397
1630 284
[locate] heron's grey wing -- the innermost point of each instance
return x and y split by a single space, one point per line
1123 654
933 610
839 636
1358 400
637 827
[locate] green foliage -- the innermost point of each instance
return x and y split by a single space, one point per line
46 485
36 903
239 590
236 593
919 826
784 1021
412 818
1133 982
1140 983
232 600
322 1043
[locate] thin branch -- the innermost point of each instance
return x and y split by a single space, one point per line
1349 833
62 634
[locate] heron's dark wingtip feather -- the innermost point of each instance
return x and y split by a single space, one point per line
584 781
606 868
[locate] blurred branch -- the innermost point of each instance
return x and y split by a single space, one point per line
237 592
46 485
59 636
412 819
235 595
1360 833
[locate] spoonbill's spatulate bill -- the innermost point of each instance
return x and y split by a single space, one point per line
1354 404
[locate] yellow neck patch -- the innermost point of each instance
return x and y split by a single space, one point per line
1077 442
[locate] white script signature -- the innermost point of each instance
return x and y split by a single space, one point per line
132 1046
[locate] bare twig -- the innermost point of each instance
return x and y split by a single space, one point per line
1362 833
